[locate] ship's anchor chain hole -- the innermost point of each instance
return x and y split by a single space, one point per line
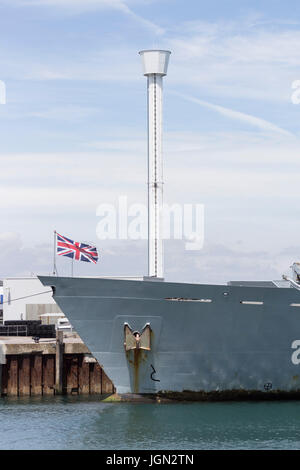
134 339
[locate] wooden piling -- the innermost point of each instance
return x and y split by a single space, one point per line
36 375
12 379
71 375
52 368
48 373
95 378
84 375
4 379
107 386
59 362
24 376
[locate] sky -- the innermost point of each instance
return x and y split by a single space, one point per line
73 131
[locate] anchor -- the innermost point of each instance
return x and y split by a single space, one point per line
137 347
137 340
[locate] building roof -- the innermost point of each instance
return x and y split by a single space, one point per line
52 315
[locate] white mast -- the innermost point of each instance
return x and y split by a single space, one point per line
155 64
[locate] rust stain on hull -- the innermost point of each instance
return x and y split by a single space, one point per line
136 367
135 358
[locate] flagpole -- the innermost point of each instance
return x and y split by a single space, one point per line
54 253
72 269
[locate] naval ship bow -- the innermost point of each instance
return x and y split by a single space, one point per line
198 341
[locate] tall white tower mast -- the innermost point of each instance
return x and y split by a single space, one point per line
155 65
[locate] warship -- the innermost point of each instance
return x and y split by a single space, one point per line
154 337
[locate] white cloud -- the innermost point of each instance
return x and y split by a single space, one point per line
232 114
26 259
80 6
248 180
125 146
219 263
59 113
230 149
10 238
241 42
102 65
239 165
224 59
236 59
65 113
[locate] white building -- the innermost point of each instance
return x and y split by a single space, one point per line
25 298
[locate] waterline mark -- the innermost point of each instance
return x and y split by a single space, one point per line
178 222
2 92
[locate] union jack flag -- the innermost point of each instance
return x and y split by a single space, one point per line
76 250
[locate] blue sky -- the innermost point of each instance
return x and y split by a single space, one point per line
73 130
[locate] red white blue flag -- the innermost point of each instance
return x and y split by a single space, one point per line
76 250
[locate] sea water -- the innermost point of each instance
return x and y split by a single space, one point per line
87 423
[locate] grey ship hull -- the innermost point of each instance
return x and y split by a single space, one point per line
209 342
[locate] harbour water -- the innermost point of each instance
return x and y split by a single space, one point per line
74 422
